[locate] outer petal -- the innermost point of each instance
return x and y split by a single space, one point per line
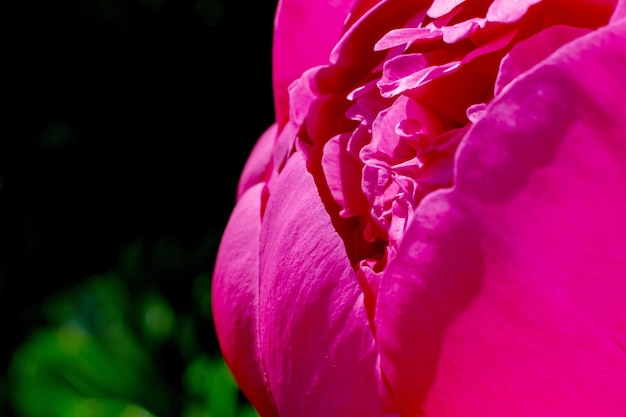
620 10
442 7
507 297
507 11
235 300
532 51
256 168
315 336
304 34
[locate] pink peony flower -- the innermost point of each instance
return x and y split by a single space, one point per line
436 223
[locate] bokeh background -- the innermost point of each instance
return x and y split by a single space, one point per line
127 126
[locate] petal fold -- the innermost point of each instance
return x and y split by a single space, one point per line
506 297
507 11
235 300
620 10
529 52
304 34
315 335
258 163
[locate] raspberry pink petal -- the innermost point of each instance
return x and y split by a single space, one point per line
409 71
360 39
620 10
405 36
443 7
256 168
405 72
304 34
507 11
524 55
343 176
506 297
315 337
235 299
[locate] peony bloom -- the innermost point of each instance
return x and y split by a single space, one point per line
436 223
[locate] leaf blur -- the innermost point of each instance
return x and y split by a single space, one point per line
116 182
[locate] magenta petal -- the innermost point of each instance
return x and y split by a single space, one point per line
343 176
529 52
442 7
620 10
304 34
256 168
507 295
409 71
315 335
235 300
405 36
507 11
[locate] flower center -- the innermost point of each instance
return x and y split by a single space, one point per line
378 146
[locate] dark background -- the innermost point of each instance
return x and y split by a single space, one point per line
128 124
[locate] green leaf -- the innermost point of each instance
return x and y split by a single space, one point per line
66 366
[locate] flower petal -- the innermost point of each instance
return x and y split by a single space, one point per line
532 51
235 299
443 7
315 336
343 174
304 34
506 297
256 168
507 11
620 10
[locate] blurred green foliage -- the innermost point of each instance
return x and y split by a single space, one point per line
111 207
109 342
